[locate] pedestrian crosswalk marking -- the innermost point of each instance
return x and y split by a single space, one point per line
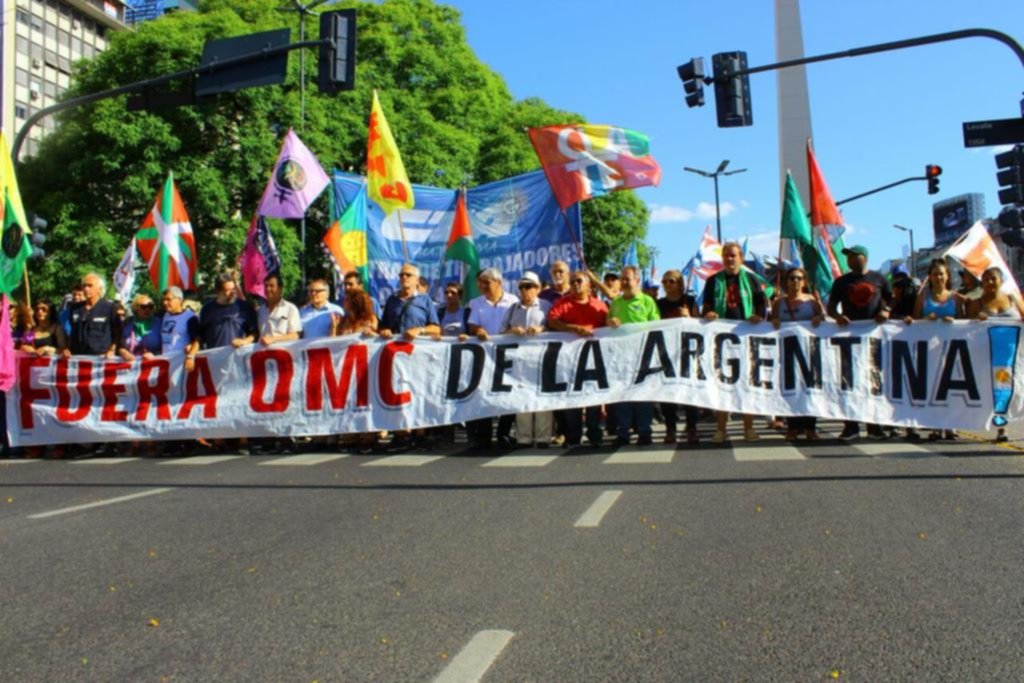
104 461
305 460
895 450
202 460
773 450
636 455
403 461
523 459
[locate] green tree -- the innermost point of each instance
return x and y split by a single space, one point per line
96 176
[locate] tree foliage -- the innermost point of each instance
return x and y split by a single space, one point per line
454 119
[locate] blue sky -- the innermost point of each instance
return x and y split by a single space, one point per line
876 119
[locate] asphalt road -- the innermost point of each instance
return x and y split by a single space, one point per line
872 561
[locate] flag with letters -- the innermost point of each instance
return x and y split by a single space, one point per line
389 185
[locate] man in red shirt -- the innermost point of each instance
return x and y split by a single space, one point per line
581 313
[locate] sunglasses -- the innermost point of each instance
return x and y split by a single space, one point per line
147 306
669 281
526 286
578 281
795 277
407 275
316 291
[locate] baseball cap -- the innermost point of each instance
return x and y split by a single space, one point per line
856 249
901 270
529 278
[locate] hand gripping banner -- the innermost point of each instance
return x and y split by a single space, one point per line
937 375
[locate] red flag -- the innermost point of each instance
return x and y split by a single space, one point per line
826 222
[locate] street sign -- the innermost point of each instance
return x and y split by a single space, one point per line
995 132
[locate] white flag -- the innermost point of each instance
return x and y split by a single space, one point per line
977 252
124 276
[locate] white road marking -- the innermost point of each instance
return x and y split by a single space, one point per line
18 462
103 461
777 450
305 459
530 458
595 513
476 658
895 450
635 455
99 503
403 461
202 460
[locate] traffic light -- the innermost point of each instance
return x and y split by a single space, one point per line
1011 175
932 172
692 75
338 54
37 239
732 95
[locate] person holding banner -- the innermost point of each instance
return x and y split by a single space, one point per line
179 328
141 335
629 308
453 316
677 304
226 320
319 318
734 294
95 327
938 301
48 336
993 302
486 314
559 283
580 313
528 317
860 295
278 319
795 305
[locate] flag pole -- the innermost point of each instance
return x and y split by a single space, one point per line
401 230
28 291
572 236
778 259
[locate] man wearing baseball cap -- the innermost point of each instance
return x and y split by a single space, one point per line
860 295
528 317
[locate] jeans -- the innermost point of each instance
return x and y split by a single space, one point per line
635 415
573 422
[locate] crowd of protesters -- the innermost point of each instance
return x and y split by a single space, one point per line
575 302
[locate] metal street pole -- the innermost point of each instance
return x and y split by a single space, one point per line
304 11
910 231
714 176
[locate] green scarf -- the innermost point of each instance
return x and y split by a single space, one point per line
746 295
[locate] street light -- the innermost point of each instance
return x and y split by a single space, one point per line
714 176
913 269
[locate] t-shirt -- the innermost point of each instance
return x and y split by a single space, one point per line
592 314
488 315
673 308
860 295
140 336
453 323
283 319
316 322
93 330
639 308
178 330
733 298
521 315
221 324
402 314
551 295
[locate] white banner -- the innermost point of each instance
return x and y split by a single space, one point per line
939 375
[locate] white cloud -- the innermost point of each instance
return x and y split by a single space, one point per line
669 214
744 203
706 210
662 213
763 243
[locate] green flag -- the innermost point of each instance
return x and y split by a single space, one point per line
797 227
14 248
461 248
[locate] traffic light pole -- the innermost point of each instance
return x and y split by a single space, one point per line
882 188
881 47
139 86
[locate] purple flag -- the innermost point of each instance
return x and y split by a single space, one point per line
297 180
259 257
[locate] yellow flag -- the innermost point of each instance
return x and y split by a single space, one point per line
9 184
387 183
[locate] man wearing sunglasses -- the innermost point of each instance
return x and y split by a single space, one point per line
407 312
677 303
579 313
319 317
559 283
